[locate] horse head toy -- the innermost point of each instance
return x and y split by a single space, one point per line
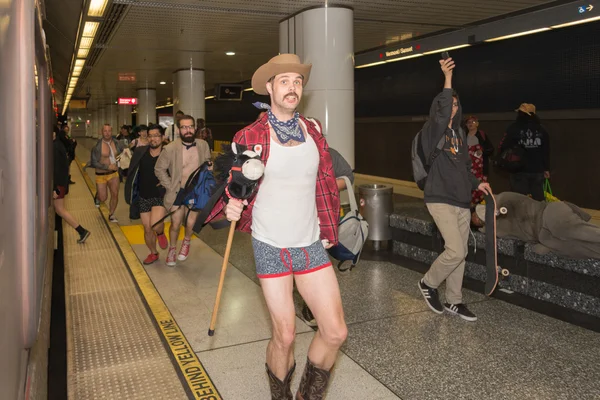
241 168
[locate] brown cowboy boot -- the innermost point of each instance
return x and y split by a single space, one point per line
313 384
280 390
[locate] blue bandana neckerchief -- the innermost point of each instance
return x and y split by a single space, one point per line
285 131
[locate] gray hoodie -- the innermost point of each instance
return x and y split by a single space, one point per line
450 180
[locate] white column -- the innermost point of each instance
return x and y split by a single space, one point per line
188 92
146 110
323 37
101 121
113 117
125 115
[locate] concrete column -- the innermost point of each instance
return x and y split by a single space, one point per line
125 115
101 121
146 110
113 117
188 92
323 37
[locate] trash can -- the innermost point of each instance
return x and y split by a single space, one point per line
376 206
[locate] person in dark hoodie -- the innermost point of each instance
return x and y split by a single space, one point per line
528 133
61 185
448 198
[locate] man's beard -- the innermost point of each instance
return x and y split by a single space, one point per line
187 139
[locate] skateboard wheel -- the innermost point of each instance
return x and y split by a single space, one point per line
505 272
503 210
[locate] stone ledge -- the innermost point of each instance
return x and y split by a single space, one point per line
507 246
589 267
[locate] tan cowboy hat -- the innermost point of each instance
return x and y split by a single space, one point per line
526 108
278 65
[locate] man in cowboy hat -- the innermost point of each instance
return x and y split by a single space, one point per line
293 218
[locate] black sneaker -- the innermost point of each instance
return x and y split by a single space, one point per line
461 310
431 297
83 237
308 316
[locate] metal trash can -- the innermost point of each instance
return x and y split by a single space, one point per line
376 206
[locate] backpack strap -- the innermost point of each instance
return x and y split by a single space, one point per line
438 149
353 205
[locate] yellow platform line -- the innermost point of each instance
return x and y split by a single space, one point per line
200 386
135 233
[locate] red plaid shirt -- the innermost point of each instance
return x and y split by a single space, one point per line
327 194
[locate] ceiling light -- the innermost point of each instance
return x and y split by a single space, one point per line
163 82
209 97
79 63
249 89
90 28
77 70
581 21
403 58
86 43
370 65
517 34
230 53
83 53
97 8
447 49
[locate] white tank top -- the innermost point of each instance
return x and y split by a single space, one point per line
285 211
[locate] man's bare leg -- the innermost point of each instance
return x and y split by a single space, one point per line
189 226
113 186
280 302
321 291
101 192
176 219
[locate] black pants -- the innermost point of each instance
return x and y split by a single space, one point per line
528 183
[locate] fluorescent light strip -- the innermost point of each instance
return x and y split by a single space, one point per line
86 43
581 21
248 90
83 53
90 28
79 63
447 49
165 106
403 58
76 73
97 8
370 65
209 97
514 35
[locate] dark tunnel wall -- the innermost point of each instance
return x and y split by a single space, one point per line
555 70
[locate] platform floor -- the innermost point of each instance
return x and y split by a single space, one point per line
396 347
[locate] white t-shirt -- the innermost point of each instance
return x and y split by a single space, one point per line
285 211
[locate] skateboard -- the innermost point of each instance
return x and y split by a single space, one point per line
491 247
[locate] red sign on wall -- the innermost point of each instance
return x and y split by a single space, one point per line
128 101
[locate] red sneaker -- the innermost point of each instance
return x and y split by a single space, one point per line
185 250
151 258
162 241
171 261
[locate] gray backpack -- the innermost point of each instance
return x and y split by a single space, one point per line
352 233
421 163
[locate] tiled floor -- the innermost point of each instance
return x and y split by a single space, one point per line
396 347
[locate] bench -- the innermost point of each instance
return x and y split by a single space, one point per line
568 283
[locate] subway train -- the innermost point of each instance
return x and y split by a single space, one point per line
26 217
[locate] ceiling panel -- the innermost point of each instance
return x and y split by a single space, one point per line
155 38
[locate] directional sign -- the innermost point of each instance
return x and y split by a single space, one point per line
583 9
128 101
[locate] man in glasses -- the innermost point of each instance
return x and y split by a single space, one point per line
142 190
173 168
